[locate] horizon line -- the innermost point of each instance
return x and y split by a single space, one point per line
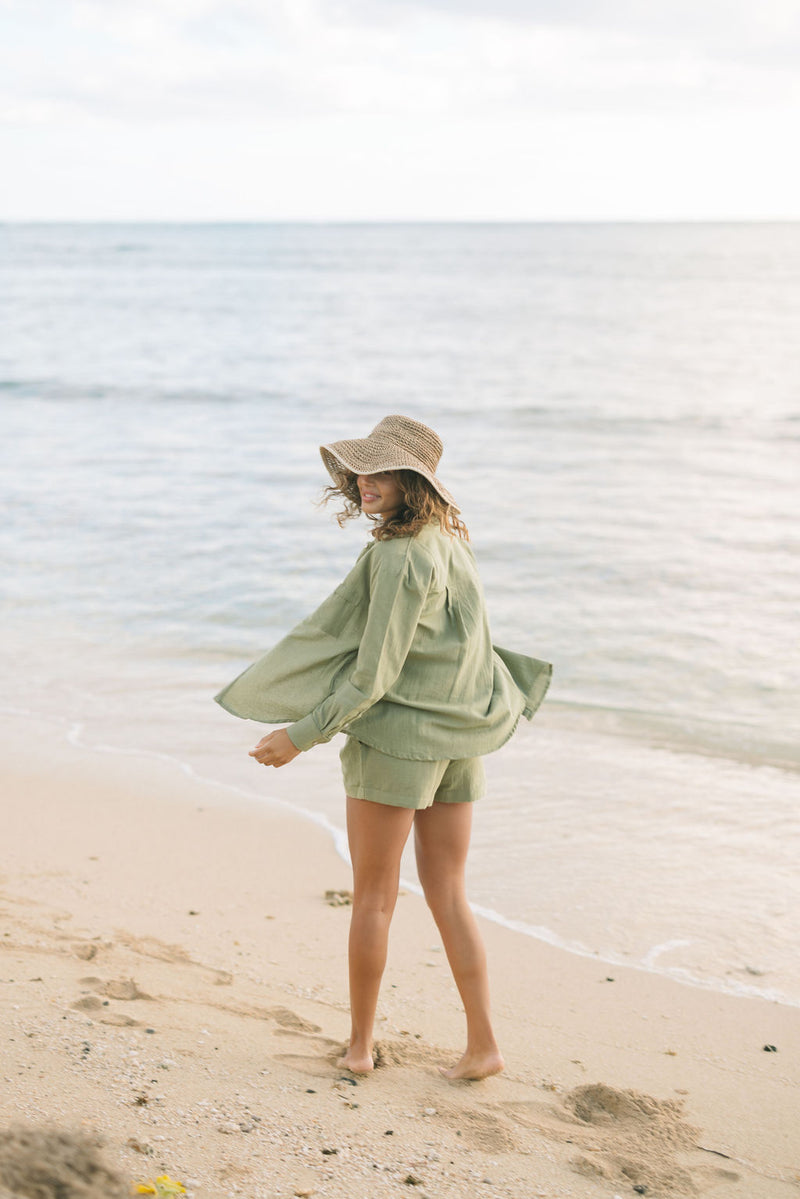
705 220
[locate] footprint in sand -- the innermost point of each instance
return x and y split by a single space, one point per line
480 1128
94 1005
596 1103
124 988
89 1003
634 1139
119 1020
320 1066
290 1020
406 1053
117 988
625 1137
151 947
84 950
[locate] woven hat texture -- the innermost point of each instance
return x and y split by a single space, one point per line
396 443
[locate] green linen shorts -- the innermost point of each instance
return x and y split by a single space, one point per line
404 783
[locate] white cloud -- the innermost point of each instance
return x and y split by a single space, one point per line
393 107
189 60
718 28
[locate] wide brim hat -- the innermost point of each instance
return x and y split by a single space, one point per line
396 443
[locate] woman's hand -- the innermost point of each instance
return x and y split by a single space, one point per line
276 749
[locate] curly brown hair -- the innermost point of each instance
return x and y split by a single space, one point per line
421 505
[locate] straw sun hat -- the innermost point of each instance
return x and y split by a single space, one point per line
396 443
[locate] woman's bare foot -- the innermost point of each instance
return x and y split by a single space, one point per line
356 1063
474 1066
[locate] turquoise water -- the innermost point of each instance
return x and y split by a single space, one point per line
619 406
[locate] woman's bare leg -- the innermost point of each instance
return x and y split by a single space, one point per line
442 834
376 834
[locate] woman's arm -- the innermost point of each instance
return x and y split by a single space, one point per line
399 586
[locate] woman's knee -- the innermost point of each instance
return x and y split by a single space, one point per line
379 897
443 896
441 875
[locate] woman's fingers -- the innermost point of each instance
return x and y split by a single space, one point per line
263 753
275 749
260 755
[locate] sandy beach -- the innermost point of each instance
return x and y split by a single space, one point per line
173 977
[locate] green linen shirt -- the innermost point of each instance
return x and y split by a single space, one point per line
399 656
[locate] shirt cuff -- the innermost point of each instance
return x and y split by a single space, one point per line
304 733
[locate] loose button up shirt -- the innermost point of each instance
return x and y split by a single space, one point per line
400 657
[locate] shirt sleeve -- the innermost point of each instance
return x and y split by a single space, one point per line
399 587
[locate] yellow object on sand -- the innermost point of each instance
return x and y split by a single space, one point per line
162 1187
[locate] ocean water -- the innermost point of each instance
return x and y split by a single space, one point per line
620 406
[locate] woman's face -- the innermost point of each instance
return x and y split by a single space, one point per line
381 494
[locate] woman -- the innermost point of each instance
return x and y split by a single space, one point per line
400 658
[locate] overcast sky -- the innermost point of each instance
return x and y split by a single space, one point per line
399 109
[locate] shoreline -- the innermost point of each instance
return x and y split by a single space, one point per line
318 771
136 899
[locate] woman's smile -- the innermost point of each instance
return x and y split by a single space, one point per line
380 494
